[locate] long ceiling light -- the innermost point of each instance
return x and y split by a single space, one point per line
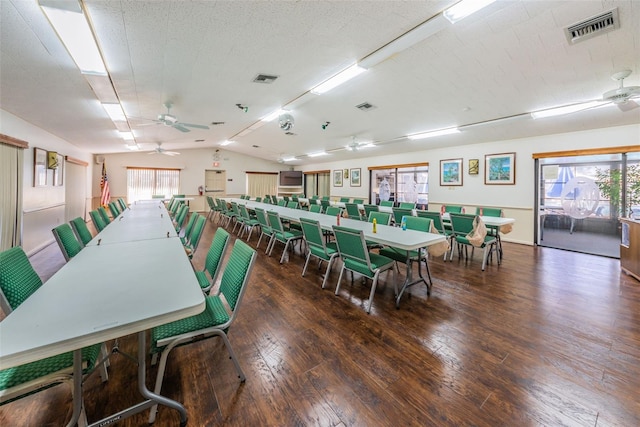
338 79
464 8
567 109
433 133
72 27
316 154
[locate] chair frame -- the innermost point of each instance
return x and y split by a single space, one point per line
317 247
460 234
280 234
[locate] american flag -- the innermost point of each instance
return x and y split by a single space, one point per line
105 197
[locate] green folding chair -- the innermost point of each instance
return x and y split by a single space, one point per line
98 221
265 228
194 238
104 214
123 205
18 281
333 210
69 245
398 214
247 221
438 224
386 203
368 209
81 230
292 205
358 201
344 199
216 319
315 208
180 217
353 211
113 208
356 258
207 276
187 229
328 252
407 205
382 218
280 234
462 225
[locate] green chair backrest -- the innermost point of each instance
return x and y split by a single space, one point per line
314 197
115 211
182 214
325 203
497 212
196 232
157 196
370 208
407 205
292 205
436 217
344 199
123 205
387 203
98 222
325 198
282 202
67 241
244 212
216 252
315 208
236 274
452 208
398 213
189 226
352 210
258 199
353 249
294 198
274 222
82 231
179 196
313 236
462 224
262 219
417 223
105 215
18 279
383 218
358 201
332 210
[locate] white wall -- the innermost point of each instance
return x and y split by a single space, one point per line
517 200
193 163
43 207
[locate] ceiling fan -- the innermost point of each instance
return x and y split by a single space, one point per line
169 119
623 96
160 150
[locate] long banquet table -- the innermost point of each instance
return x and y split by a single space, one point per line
124 285
407 240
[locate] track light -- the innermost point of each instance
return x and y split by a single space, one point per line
325 125
242 107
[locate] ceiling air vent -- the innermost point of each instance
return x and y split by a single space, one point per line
289 133
265 78
594 26
365 106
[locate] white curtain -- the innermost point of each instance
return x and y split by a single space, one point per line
11 170
324 184
143 183
261 184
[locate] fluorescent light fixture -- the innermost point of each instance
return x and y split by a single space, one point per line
567 109
464 8
103 88
433 133
247 131
133 147
288 159
226 142
316 154
338 79
127 136
367 145
272 116
73 29
115 112
405 41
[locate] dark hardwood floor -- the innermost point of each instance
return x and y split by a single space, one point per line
548 338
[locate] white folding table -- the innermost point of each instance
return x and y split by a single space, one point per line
104 292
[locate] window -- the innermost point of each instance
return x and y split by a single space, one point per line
143 183
317 183
405 183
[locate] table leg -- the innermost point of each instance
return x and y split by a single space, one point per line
409 280
77 387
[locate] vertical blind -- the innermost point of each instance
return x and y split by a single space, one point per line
11 171
143 183
261 184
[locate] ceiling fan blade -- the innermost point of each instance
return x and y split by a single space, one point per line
628 106
191 125
171 153
180 127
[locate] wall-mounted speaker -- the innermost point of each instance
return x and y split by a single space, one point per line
99 160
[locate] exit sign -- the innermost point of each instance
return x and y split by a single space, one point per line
216 164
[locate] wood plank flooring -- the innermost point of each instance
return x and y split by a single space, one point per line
548 338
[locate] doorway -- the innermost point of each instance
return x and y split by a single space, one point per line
215 183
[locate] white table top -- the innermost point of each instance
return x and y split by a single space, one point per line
493 221
387 235
104 292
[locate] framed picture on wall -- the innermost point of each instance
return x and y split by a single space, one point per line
451 172
39 167
474 166
346 174
337 178
58 172
355 177
500 168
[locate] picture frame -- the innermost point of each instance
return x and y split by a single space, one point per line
346 174
337 178
450 172
58 172
355 180
474 166
39 167
500 169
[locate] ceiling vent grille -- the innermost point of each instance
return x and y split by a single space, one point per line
289 133
264 79
365 106
594 26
